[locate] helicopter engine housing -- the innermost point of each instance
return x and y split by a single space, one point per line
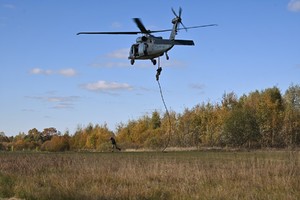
141 39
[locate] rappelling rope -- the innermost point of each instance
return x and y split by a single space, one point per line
163 100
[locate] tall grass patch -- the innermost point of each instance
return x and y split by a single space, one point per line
151 175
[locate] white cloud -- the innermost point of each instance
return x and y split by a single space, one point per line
35 71
116 25
48 72
67 72
63 106
28 110
173 63
64 72
197 86
109 60
58 101
200 88
120 54
9 6
294 5
38 71
61 99
55 99
106 86
110 64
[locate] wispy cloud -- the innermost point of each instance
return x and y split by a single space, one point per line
104 86
174 63
69 72
117 58
116 25
119 54
110 64
57 102
63 105
40 71
9 6
28 110
294 5
198 87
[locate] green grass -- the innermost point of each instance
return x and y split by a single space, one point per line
151 175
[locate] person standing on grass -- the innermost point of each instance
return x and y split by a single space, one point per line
114 144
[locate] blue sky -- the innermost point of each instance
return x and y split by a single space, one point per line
50 77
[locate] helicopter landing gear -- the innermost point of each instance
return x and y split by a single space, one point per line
167 56
132 61
153 61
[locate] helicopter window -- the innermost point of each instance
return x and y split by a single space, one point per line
135 50
131 49
145 49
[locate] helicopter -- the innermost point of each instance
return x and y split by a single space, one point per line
149 46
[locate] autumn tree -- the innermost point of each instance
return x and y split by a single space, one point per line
57 143
155 120
124 134
48 133
241 128
270 117
4 141
3 137
92 137
209 124
291 122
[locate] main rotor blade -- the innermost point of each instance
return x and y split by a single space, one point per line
174 12
112 33
180 11
147 32
140 25
183 26
202 26
191 27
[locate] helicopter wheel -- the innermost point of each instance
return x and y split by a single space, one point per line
132 61
153 61
167 56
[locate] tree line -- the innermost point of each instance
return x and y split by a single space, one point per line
261 119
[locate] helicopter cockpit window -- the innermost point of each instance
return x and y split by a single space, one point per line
134 50
142 49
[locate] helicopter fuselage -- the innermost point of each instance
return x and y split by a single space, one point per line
147 48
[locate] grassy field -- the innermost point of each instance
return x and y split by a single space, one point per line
151 175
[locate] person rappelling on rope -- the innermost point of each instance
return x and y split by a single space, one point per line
158 71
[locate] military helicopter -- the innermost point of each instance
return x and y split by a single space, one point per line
149 46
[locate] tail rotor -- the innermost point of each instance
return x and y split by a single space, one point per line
178 17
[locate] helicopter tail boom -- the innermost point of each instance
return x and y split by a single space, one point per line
175 42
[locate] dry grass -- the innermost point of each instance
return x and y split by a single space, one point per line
142 175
